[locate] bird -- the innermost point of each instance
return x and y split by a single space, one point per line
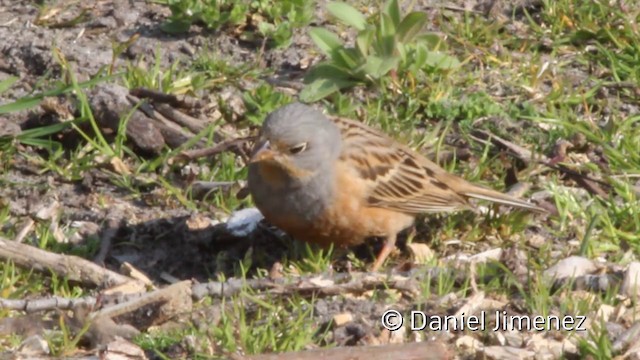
332 180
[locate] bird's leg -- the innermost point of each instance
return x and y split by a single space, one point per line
389 245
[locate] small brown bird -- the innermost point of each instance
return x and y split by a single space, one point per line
339 181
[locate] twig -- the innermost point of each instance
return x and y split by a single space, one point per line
173 134
427 350
288 84
177 295
71 267
43 304
173 100
214 150
452 8
113 224
185 120
26 229
527 157
319 285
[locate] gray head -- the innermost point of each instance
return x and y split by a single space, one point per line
298 135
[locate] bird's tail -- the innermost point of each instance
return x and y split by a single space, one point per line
480 193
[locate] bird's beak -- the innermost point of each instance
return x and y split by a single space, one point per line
262 152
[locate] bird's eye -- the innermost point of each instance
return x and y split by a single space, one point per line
298 148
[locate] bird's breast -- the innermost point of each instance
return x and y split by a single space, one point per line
330 209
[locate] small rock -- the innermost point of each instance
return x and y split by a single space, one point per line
514 338
398 336
110 104
8 128
123 349
497 338
34 345
604 312
468 344
570 349
614 329
633 353
550 349
342 319
628 339
485 256
505 353
572 266
631 283
536 241
49 212
350 334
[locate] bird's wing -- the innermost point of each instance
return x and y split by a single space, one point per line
399 178
403 180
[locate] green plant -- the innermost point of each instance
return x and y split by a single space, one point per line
392 44
252 19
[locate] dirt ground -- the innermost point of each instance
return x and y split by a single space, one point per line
160 239
26 51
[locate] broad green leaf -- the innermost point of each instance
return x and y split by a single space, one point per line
348 58
420 56
387 36
327 41
392 9
411 26
364 41
6 83
326 71
387 65
441 61
401 49
176 26
347 14
387 28
432 40
376 67
322 88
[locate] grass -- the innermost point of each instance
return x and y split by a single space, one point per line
563 72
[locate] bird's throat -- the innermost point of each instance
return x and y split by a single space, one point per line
280 175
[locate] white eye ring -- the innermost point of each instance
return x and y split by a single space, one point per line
298 148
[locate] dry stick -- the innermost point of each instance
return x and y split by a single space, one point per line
520 152
341 283
214 150
113 224
427 350
323 285
26 229
174 299
174 134
185 102
71 267
185 120
175 293
295 85
166 104
527 157
45 304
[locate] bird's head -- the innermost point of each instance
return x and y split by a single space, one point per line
298 139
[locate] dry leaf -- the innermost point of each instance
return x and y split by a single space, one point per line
421 253
119 166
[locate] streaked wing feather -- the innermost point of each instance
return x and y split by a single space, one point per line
400 179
